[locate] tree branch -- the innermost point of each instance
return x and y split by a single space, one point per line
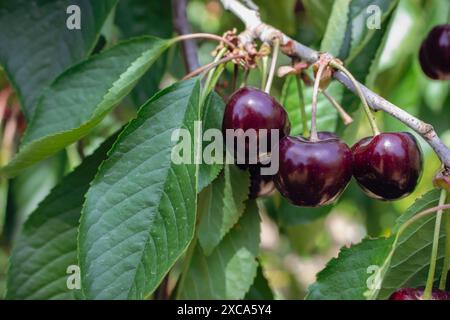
256 29
181 26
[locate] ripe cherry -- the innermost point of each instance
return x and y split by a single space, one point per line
416 294
250 108
313 173
387 166
434 54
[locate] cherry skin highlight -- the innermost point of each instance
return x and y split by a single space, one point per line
313 174
416 294
250 108
434 54
387 166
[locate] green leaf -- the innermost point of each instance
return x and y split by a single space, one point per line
80 98
346 277
358 35
326 114
260 289
334 37
224 204
47 245
32 186
411 260
363 64
139 213
36 45
212 119
347 32
318 12
146 17
375 268
229 271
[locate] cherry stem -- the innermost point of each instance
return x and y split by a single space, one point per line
369 113
245 78
211 65
434 250
301 101
264 71
314 136
346 118
446 264
209 83
235 77
204 36
273 63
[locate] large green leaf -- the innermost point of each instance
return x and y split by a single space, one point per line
36 45
80 98
139 213
47 245
212 116
224 204
357 33
146 17
345 277
326 114
376 267
333 37
363 61
230 270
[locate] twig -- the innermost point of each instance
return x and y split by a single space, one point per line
182 26
256 29
344 115
210 36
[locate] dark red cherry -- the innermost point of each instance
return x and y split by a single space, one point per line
313 173
387 166
434 54
250 108
416 294
260 185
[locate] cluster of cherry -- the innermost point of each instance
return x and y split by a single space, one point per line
314 173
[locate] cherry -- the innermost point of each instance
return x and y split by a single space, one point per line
313 173
387 166
250 108
416 294
434 54
260 185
